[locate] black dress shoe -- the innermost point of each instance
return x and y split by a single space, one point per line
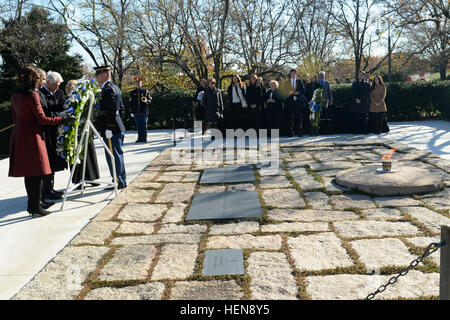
45 205
52 196
39 212
59 193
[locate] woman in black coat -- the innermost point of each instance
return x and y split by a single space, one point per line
213 104
254 94
236 111
274 101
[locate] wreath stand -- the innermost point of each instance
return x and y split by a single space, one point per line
83 143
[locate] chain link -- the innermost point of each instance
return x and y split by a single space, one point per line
432 248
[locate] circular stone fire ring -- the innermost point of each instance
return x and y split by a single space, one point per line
404 181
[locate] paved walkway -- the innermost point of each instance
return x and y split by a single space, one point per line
26 244
321 240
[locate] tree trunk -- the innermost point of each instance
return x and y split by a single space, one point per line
443 70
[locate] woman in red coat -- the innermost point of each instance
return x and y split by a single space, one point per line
28 154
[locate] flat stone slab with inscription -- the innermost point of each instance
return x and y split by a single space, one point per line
225 205
223 262
232 174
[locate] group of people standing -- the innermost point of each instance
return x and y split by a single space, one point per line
282 106
285 104
39 107
368 102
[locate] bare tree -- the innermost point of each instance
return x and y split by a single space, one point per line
427 23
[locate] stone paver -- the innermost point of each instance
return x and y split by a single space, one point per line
148 291
142 212
206 290
355 229
432 220
95 233
349 201
318 200
159 238
129 263
310 215
267 284
176 192
357 287
108 213
174 228
295 227
212 189
283 198
245 241
62 278
438 203
175 214
378 253
234 228
403 201
275 182
136 228
382 214
132 195
318 252
173 265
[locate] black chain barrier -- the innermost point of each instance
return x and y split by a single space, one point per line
432 248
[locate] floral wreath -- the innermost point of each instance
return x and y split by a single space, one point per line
69 135
315 107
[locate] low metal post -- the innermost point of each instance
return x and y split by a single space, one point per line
444 286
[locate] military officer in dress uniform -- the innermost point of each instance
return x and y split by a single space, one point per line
139 102
110 122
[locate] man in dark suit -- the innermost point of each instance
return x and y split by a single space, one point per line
139 102
294 91
110 122
52 100
360 103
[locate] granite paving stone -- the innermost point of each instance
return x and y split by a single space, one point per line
142 212
176 192
234 228
318 252
355 229
432 220
356 287
378 253
173 265
295 227
129 263
275 182
174 228
283 198
401 201
175 213
349 201
382 214
318 200
272 242
267 284
108 213
136 228
148 291
206 290
311 215
95 233
62 278
158 238
438 203
132 195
